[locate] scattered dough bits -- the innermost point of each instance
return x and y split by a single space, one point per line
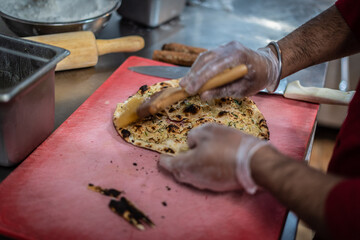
124 207
166 132
130 213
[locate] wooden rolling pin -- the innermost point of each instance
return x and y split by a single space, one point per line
85 48
169 96
136 108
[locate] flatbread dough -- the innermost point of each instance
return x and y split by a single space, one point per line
166 132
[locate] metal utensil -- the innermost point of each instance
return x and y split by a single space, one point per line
24 28
291 90
162 71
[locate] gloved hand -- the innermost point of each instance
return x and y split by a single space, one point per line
263 71
218 159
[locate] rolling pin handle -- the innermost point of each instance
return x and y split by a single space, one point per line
122 44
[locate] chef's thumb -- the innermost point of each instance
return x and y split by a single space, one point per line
166 162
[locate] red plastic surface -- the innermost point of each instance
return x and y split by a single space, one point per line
46 197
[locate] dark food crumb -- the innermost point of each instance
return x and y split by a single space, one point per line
143 89
125 133
172 128
168 188
169 150
222 113
193 109
107 192
135 164
164 204
124 207
130 213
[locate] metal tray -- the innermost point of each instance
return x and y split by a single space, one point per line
27 96
151 13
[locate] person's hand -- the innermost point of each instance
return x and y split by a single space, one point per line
263 71
216 156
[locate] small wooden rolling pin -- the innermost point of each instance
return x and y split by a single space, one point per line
85 48
136 108
160 100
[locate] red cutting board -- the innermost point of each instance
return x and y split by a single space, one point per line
46 197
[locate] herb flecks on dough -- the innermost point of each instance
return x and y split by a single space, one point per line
166 131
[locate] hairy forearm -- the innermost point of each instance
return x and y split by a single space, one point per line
302 189
323 38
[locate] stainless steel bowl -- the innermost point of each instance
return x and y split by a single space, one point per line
25 28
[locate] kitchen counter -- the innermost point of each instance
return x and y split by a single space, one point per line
254 24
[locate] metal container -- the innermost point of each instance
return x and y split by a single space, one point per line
151 13
25 28
27 96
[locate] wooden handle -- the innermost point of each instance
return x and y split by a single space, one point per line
162 100
225 77
123 44
173 95
317 95
85 49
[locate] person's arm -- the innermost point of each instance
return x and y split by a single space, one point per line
323 38
224 159
302 189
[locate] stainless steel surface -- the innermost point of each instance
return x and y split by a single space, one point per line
162 71
290 227
310 144
331 115
282 87
30 28
26 96
152 13
253 23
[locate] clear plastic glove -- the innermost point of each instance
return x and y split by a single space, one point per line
263 71
218 155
